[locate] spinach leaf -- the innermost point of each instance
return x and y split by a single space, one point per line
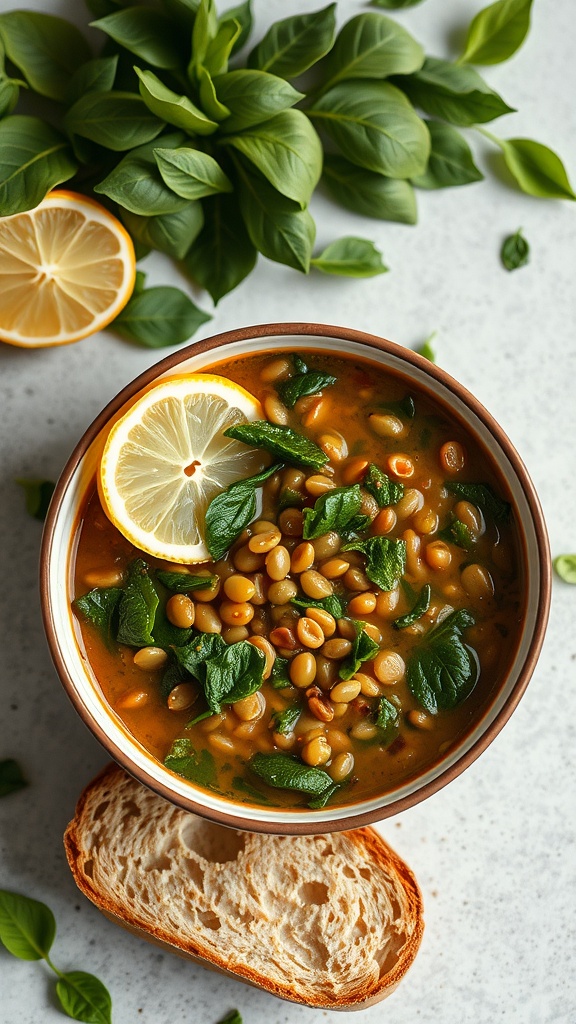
136 184
367 192
422 605
253 97
356 525
148 34
47 50
158 317
170 233
282 442
183 582
34 158
536 168
304 382
11 777
285 772
167 635
233 674
231 511
363 649
171 677
240 785
137 607
277 226
172 107
279 677
27 927
350 257
332 604
94 76
190 173
293 45
83 997
455 94
371 46
99 607
196 766
284 721
483 496
37 496
202 647
380 486
457 533
332 511
387 721
442 671
223 254
565 567
450 162
385 559
115 120
515 251
497 32
320 801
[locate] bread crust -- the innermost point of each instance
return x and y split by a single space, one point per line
113 784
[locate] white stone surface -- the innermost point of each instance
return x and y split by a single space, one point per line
494 852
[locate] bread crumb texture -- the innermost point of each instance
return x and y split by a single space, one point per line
327 920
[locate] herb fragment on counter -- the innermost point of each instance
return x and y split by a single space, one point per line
393 5
231 511
483 496
11 777
285 772
565 568
231 1018
37 495
27 930
385 559
450 163
442 671
157 317
363 649
380 486
515 251
427 350
497 32
333 510
350 257
303 383
282 442
422 605
536 168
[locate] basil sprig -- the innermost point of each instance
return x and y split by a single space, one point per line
231 511
442 671
385 559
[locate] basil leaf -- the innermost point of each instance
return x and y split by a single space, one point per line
422 605
320 801
37 496
307 382
9 87
191 173
392 5
279 677
196 766
93 76
426 350
34 158
194 655
350 257
231 1018
515 251
158 317
242 14
442 671
293 45
47 50
98 606
282 442
385 559
286 150
203 32
455 94
220 48
380 486
171 233
536 168
375 126
136 184
364 648
497 32
279 230
371 46
284 721
208 99
332 604
172 107
222 255
231 511
27 927
115 120
450 162
183 582
483 496
11 777
367 192
83 997
235 673
565 567
332 511
285 772
458 533
387 721
137 607
253 97
149 34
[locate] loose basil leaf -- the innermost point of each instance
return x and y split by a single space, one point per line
284 721
350 257
332 511
149 34
282 442
235 673
422 605
393 5
27 927
278 228
364 648
191 173
253 97
285 772
427 350
171 233
332 604
375 126
458 533
442 671
367 192
320 801
497 32
565 567
158 317
194 656
455 94
450 162
536 168
286 150
137 185
115 120
208 99
385 559
231 511
380 486
303 383
293 45
47 50
34 158
231 1018
387 721
242 13
515 251
222 255
137 607
37 495
98 606
172 107
279 677
83 997
483 496
196 766
371 46
183 582
94 76
11 777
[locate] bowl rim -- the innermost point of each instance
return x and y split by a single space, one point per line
349 818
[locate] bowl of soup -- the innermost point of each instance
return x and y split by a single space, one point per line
362 609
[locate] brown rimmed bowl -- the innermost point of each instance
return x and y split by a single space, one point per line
78 678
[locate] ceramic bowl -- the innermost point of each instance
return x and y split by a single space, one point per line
83 688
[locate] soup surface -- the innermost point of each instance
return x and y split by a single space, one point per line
341 642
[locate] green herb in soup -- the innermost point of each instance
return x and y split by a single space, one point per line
360 607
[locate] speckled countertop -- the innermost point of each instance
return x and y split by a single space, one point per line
494 852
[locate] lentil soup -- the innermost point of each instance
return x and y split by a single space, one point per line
374 602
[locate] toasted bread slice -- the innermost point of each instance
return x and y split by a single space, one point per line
331 921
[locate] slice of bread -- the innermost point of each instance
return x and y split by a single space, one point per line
332 921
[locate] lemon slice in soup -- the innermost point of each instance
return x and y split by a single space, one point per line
167 457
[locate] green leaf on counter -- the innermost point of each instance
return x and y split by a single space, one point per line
497 32
150 35
282 442
332 511
536 168
83 997
442 671
234 1016
483 496
371 46
231 511
223 254
422 605
34 158
450 162
137 607
515 251
455 94
426 348
363 649
394 5
253 97
367 192
11 777
46 49
159 317
285 772
565 568
385 559
380 486
350 257
196 766
37 496
115 120
293 45
27 927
